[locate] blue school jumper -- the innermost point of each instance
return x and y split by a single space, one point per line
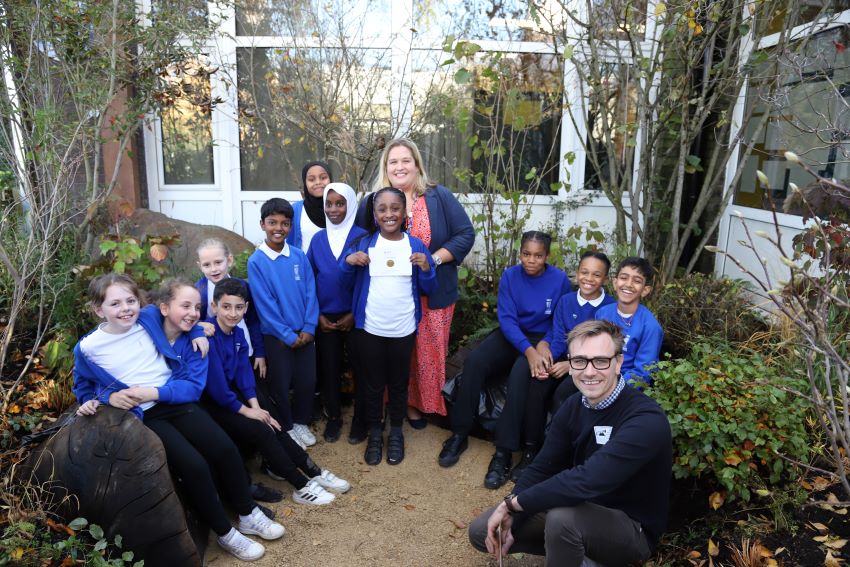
188 369
334 296
230 373
284 293
568 314
526 304
643 341
252 320
358 277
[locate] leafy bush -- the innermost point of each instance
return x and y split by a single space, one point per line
731 418
700 305
475 311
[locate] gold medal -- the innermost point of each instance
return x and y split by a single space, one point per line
390 263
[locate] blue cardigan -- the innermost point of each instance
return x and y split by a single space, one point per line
188 369
252 320
450 229
358 277
230 373
334 296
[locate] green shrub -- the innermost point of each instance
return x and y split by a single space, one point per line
731 418
699 305
475 310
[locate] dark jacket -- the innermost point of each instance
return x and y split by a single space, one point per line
450 229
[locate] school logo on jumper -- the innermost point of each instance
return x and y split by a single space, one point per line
549 306
297 272
626 343
603 433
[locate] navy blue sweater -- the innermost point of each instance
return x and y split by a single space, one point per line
568 314
334 296
643 341
526 303
450 229
631 472
230 376
252 320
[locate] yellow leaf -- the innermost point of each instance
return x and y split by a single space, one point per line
836 543
819 527
820 538
830 561
692 24
716 500
14 408
713 550
660 8
732 460
771 562
697 29
260 152
18 553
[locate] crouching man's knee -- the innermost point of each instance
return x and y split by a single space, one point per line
478 530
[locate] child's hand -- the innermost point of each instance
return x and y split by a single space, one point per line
559 369
88 408
202 345
326 325
536 363
544 351
421 260
346 322
260 415
123 399
209 328
357 259
260 366
305 338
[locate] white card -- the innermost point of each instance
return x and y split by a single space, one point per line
391 261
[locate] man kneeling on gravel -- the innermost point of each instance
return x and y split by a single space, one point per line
599 488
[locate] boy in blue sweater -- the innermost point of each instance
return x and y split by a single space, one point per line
230 398
642 331
284 290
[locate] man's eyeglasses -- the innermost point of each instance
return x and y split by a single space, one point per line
599 362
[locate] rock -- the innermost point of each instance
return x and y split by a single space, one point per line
144 222
111 469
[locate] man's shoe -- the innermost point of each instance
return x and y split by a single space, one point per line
452 448
332 430
527 457
499 470
374 448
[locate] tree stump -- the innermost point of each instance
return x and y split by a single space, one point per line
111 469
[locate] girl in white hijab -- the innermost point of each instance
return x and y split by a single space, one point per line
335 317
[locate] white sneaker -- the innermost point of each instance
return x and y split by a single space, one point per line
297 439
305 434
240 546
313 493
259 524
330 481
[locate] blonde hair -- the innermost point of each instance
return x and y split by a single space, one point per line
382 180
213 243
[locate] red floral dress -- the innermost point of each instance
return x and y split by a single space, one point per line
428 362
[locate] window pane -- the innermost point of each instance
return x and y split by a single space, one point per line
473 19
360 22
513 104
797 13
611 103
296 105
808 112
620 19
186 124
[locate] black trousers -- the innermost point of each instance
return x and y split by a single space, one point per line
295 368
537 405
193 443
494 356
283 455
384 364
330 351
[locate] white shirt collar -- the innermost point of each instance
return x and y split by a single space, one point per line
594 302
272 254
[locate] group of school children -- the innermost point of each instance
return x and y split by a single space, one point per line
213 364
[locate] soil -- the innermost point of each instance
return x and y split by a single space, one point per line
411 514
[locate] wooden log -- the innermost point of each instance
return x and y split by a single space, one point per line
111 469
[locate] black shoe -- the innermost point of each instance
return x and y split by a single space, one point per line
395 449
332 430
374 448
262 493
499 470
420 423
267 511
358 432
452 448
527 456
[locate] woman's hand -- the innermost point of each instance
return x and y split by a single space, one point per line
357 259
421 260
88 408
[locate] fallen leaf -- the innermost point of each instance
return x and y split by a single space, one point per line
713 550
409 507
716 500
779 550
836 543
316 543
807 485
458 524
819 527
821 538
771 562
694 554
820 483
830 561
287 512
